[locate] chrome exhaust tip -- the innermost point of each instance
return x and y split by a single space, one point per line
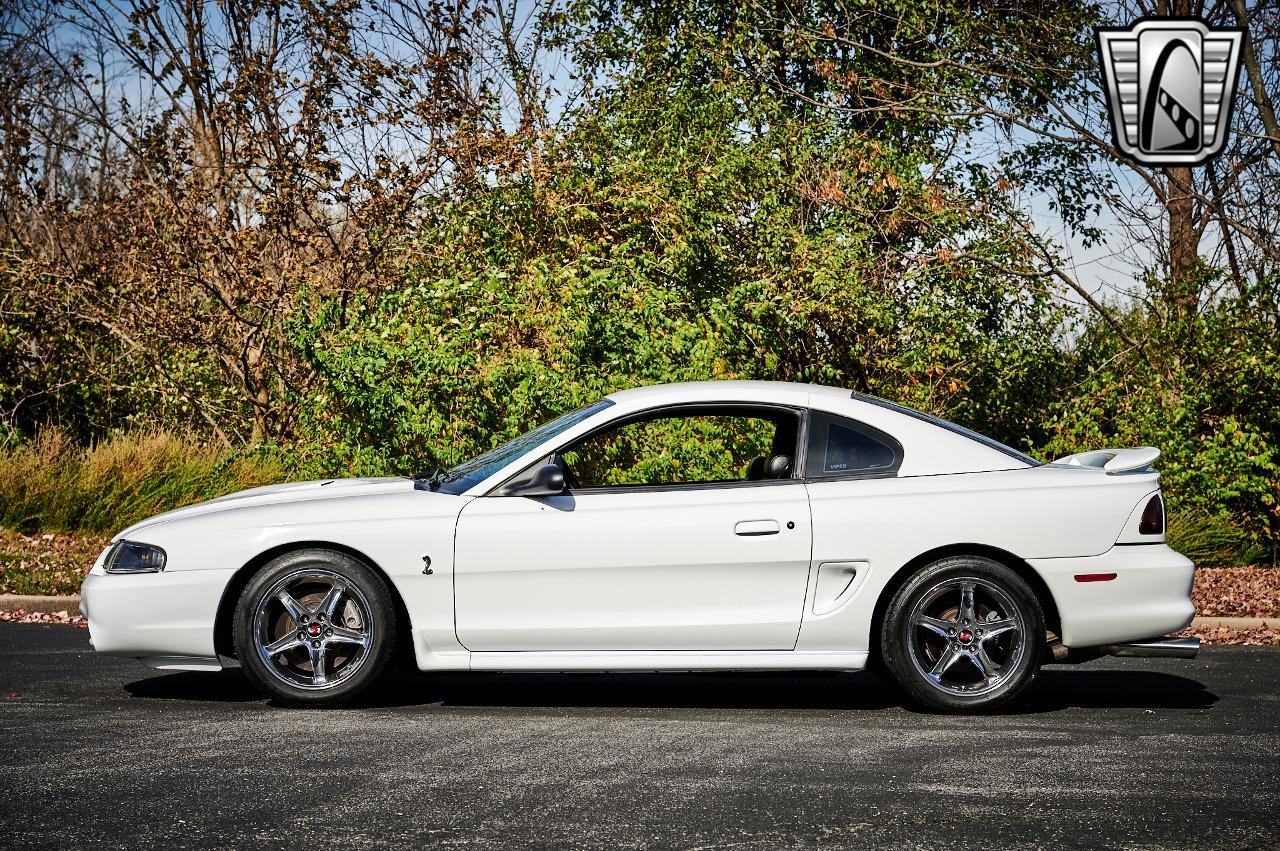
1169 648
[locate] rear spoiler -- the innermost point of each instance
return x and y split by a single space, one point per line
1114 460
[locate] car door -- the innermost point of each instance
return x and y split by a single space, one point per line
628 559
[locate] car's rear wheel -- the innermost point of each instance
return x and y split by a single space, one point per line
314 627
964 634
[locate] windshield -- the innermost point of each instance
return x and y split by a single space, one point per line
470 473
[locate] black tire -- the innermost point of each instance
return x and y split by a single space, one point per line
958 658
352 636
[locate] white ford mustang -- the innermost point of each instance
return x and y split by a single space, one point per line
710 526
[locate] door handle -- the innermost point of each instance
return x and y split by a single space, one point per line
752 528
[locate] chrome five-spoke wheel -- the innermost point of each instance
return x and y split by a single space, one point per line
314 626
967 636
312 629
963 634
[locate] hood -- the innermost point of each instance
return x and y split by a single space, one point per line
322 489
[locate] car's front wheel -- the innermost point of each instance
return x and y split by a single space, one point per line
964 634
314 627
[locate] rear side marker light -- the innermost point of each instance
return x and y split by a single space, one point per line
1095 577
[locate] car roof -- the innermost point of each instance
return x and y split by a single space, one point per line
783 392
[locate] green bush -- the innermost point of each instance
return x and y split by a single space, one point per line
1204 389
1211 540
53 484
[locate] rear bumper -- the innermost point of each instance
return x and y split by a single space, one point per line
1127 594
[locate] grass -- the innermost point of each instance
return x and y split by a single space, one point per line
51 484
60 502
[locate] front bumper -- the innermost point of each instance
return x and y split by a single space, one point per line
1148 593
165 619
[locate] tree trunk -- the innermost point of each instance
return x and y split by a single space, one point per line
1184 242
259 393
1254 70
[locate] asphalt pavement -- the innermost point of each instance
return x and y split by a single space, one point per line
1133 753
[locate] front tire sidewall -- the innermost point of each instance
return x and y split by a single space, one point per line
382 616
895 638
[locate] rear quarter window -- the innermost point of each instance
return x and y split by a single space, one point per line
989 442
841 447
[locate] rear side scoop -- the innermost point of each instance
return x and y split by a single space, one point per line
1114 460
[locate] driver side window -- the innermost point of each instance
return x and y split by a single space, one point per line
698 448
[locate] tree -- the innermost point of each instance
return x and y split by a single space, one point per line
692 223
254 151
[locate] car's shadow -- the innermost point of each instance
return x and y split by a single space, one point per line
1054 689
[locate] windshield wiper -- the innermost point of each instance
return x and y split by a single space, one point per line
429 481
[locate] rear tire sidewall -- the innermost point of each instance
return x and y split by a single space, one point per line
895 634
381 612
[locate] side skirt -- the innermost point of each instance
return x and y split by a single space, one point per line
682 660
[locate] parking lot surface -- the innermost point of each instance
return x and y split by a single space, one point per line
1134 753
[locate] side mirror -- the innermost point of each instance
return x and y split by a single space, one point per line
547 480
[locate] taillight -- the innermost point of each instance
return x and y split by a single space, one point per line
1152 517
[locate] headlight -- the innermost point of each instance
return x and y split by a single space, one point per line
129 557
